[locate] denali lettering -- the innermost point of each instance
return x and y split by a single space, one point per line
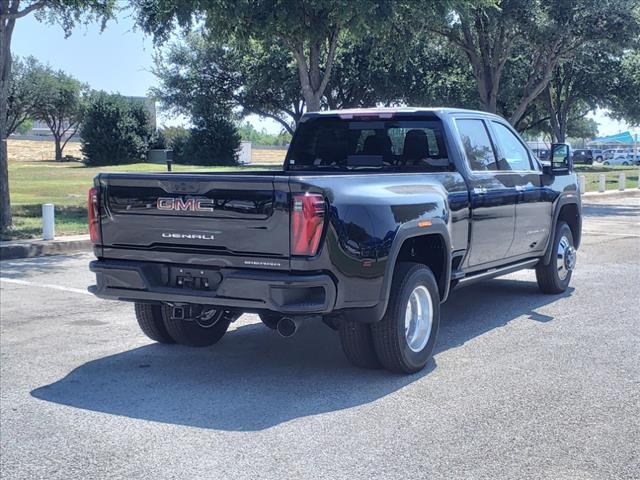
189 236
180 205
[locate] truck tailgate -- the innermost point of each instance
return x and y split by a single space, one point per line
222 214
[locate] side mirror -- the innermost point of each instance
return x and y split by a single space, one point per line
560 158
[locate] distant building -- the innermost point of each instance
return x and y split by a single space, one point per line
40 128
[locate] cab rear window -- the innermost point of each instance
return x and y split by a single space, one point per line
339 144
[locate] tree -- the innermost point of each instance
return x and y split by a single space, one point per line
624 100
23 90
59 103
578 86
114 130
309 30
66 13
542 34
214 140
269 83
250 134
249 76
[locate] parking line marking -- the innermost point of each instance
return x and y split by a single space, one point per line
44 285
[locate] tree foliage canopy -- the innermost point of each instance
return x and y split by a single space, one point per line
23 91
114 130
59 103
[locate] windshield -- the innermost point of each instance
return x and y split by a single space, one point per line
398 145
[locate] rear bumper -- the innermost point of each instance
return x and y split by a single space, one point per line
250 290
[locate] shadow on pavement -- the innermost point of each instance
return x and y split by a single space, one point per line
20 268
254 380
610 210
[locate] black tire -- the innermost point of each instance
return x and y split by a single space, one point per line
357 343
605 162
548 276
270 319
191 334
151 323
389 336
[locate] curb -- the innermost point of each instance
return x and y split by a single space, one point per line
37 248
632 192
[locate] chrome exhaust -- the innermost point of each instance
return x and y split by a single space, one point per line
288 326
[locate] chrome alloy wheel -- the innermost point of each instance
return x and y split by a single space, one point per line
418 318
566 260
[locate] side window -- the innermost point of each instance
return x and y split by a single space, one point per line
477 145
515 154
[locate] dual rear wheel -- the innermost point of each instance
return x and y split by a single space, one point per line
403 340
207 326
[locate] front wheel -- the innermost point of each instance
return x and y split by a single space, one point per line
555 277
405 337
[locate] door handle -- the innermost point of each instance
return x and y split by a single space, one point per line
521 188
480 190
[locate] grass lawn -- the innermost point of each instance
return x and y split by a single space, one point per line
33 183
611 172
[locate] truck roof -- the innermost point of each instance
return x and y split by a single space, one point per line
388 112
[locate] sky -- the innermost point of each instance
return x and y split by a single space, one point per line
120 60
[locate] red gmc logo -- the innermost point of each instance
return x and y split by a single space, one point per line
182 205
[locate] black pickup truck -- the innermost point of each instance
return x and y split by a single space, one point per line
375 216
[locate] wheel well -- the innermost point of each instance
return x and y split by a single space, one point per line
569 213
430 250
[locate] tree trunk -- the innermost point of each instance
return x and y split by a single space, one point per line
313 82
312 99
57 141
5 201
6 30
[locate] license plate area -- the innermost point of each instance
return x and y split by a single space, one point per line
191 278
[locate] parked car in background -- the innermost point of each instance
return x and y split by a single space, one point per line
541 153
613 152
598 155
621 159
583 156
633 159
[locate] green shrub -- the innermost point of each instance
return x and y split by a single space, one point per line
214 140
115 130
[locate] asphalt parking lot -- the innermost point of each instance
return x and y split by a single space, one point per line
523 385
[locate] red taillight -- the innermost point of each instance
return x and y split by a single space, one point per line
93 209
307 220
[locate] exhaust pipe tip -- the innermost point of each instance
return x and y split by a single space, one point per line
287 327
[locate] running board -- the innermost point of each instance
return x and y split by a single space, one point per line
496 272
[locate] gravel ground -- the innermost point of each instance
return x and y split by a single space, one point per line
522 385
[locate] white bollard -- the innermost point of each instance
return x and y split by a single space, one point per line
601 183
48 221
583 184
621 182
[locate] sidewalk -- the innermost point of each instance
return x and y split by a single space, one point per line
629 192
35 248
